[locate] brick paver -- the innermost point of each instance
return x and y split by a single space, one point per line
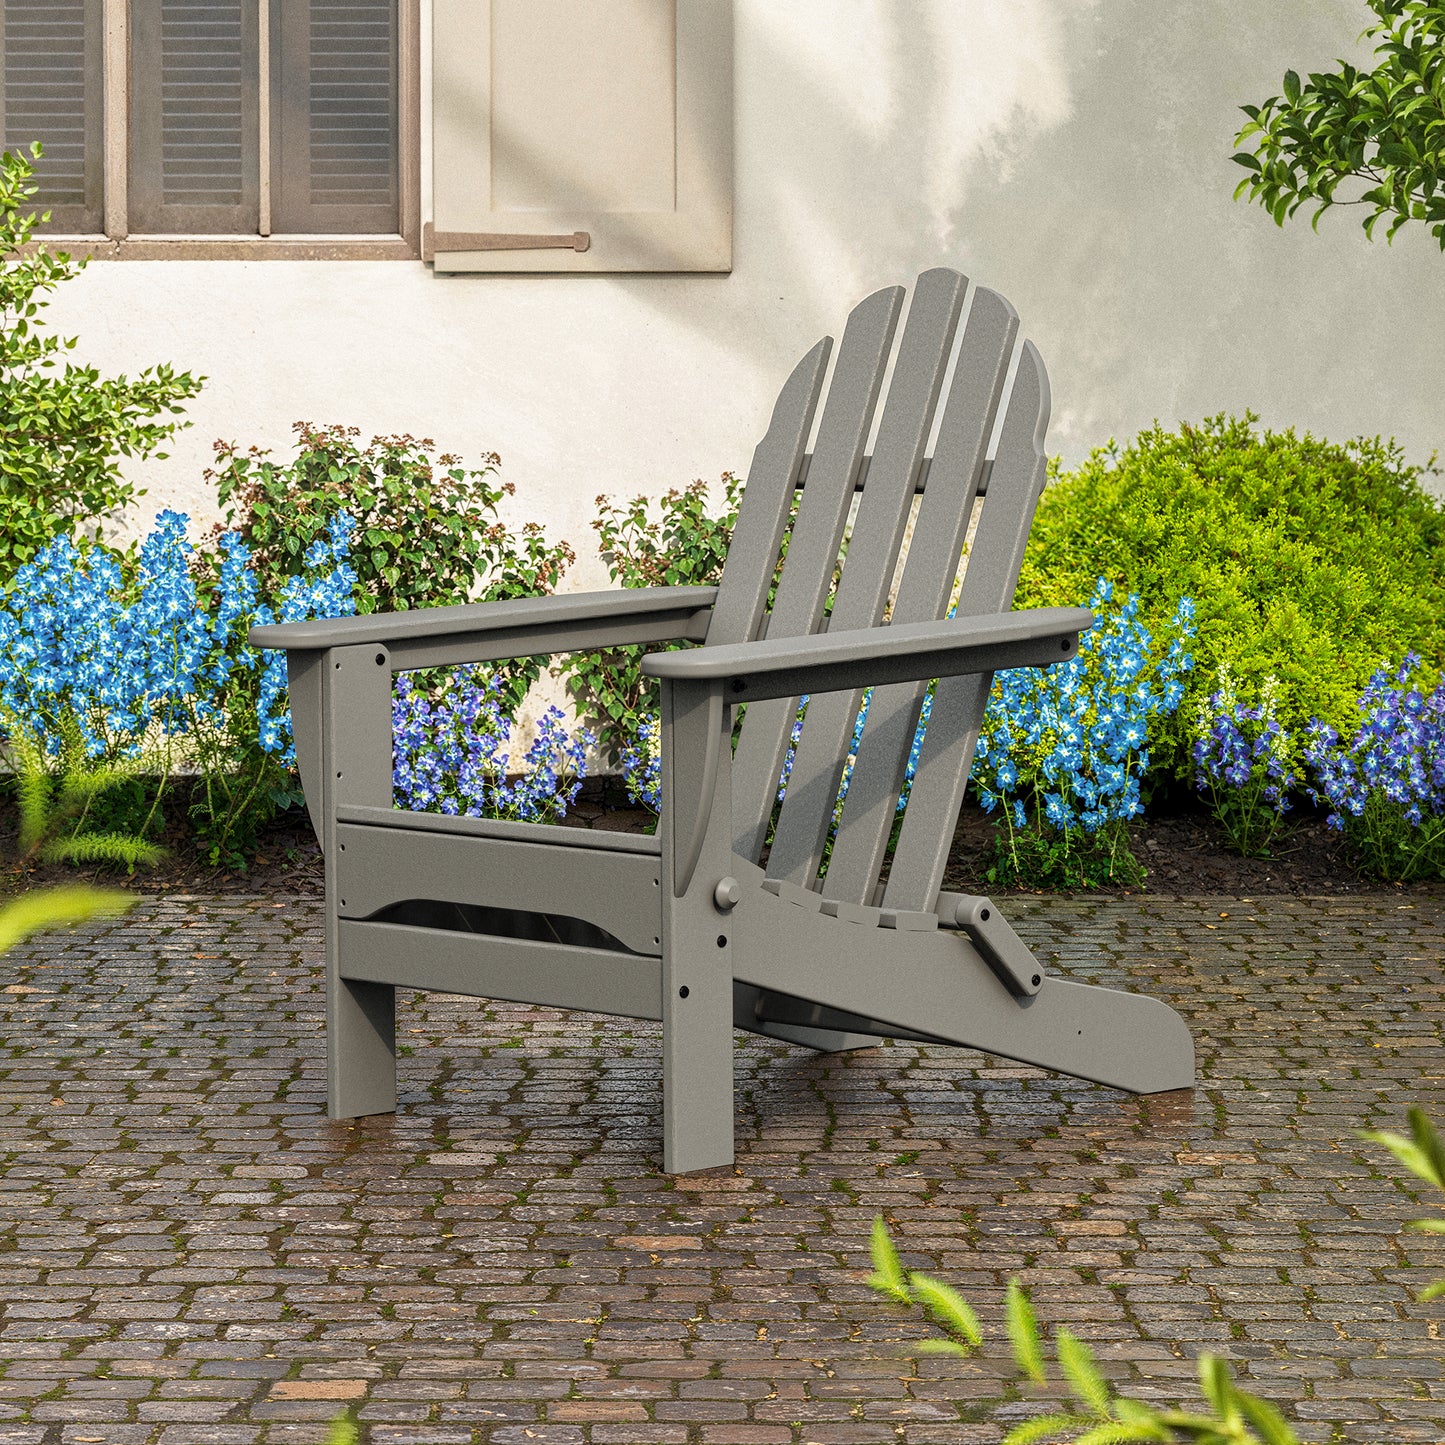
191 1254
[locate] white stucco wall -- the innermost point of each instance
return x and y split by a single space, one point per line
1073 154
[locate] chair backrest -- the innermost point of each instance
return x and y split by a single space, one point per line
886 485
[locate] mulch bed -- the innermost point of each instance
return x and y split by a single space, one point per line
1177 842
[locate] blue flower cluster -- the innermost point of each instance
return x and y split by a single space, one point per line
325 589
1396 757
1071 739
452 752
129 654
1243 760
642 765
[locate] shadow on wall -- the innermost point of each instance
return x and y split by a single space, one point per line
1075 156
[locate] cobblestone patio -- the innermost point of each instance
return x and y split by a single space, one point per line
194 1254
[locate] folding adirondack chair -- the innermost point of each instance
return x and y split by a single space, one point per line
689 927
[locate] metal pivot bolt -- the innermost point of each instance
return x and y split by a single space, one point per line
727 894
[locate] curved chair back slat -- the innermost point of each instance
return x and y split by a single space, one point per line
989 581
884 507
810 551
924 591
812 554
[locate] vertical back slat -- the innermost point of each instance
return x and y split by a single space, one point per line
772 479
877 535
813 550
923 591
988 586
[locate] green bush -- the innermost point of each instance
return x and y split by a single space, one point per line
63 428
427 533
677 544
1308 561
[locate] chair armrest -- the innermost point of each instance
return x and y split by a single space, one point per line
521 627
867 657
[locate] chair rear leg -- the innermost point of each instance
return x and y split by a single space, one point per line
360 1048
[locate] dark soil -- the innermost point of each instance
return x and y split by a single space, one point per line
1177 842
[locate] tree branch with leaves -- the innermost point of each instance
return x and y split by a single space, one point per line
1383 129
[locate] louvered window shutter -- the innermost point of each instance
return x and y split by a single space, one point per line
570 135
194 116
334 117
50 91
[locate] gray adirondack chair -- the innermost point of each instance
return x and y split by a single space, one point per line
688 927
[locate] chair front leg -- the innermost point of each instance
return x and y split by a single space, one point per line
697 984
356 769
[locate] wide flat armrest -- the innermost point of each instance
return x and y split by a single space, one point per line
476 617
910 652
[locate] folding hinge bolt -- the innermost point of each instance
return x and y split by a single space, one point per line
727 894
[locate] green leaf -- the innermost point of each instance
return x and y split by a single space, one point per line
1405 1150
947 1306
1291 86
1112 1433
1043 1427
342 1431
941 1347
1023 1332
1218 1389
888 1277
1427 1140
1076 1360
43 908
1247 159
1269 1424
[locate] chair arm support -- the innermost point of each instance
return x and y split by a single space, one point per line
867 657
520 627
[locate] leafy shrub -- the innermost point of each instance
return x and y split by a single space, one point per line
57 803
1244 763
1380 128
1422 1152
63 428
427 534
1098 1416
676 544
452 743
1307 561
1386 787
1062 749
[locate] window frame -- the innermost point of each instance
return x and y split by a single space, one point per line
117 242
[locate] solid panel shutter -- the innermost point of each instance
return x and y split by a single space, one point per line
572 136
50 91
195 101
334 125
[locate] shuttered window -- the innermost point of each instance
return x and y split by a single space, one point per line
195 103
236 121
50 92
334 127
